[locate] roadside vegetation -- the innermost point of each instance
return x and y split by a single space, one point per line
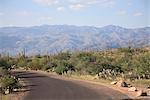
125 63
7 82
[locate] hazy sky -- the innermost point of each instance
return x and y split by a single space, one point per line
125 13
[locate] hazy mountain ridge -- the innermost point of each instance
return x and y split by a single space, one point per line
54 38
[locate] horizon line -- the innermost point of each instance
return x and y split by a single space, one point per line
25 26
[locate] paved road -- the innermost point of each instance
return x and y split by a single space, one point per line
43 87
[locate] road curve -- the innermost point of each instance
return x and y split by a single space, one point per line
43 87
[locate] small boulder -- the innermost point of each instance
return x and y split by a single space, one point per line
113 83
14 77
7 91
148 86
96 76
129 85
19 79
122 84
141 93
148 92
132 89
15 90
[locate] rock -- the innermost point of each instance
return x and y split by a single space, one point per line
14 77
122 84
96 76
7 91
148 86
15 90
141 93
129 85
110 78
19 79
148 92
13 66
113 83
132 89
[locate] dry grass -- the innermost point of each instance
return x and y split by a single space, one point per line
141 83
12 96
15 95
87 77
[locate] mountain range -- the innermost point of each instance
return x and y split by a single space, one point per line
55 38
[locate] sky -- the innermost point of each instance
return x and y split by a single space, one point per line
125 13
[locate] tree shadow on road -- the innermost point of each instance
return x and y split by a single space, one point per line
27 75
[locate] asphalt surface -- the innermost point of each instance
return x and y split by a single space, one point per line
43 87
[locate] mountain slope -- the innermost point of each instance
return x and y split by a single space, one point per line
54 38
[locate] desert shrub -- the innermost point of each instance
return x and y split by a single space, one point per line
86 56
127 50
49 66
8 82
22 63
4 63
35 64
3 72
130 63
63 67
60 70
63 56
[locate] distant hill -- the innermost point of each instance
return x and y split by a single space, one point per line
54 38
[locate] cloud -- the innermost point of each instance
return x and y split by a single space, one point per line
80 4
47 2
138 14
90 2
106 3
122 12
61 8
77 6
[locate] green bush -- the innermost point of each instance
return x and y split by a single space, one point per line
3 72
130 63
49 66
4 63
64 67
60 70
63 56
8 82
22 63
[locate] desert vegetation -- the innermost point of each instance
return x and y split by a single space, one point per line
127 63
130 64
7 82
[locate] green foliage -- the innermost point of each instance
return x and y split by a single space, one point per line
49 66
60 70
63 56
8 82
4 63
127 50
22 63
86 56
63 67
130 63
35 64
3 72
